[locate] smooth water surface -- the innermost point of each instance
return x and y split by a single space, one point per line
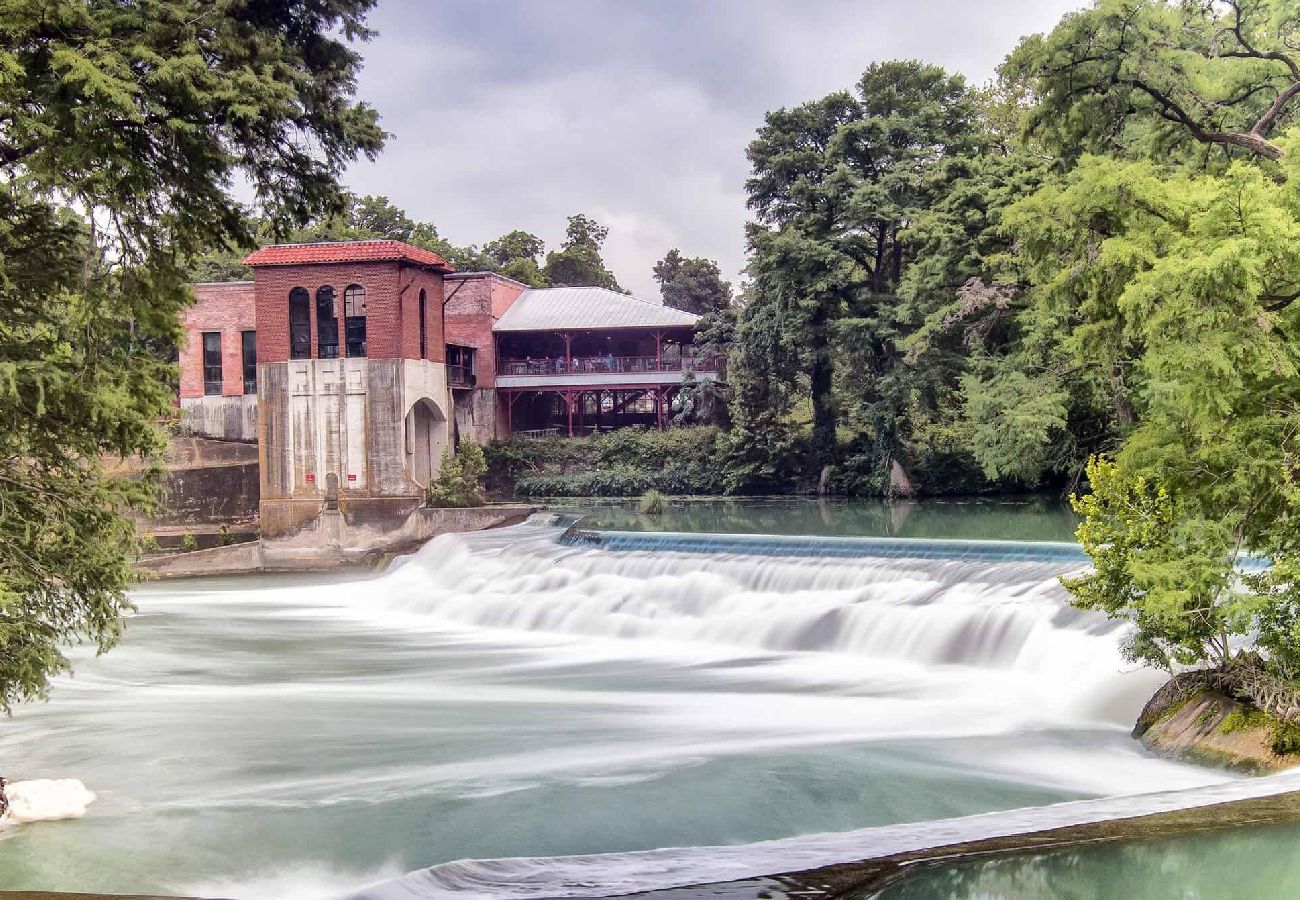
1219 865
1029 518
502 695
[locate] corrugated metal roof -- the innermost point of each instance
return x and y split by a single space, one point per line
567 308
345 251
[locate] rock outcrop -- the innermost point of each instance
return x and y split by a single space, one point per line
1190 719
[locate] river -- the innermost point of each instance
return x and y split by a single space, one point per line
503 695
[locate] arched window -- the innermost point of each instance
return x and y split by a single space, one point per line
354 318
327 324
299 324
423 331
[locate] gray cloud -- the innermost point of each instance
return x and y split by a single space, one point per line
517 113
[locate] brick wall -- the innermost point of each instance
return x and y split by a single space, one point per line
477 303
226 307
392 307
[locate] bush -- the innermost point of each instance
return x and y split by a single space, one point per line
653 503
224 537
149 543
460 477
623 463
189 542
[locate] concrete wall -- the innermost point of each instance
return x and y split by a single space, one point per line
362 530
333 540
228 418
351 418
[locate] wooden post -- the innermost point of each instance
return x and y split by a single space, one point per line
568 402
659 351
568 354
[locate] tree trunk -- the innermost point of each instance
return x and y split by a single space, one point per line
820 377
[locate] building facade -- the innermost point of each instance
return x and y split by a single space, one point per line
354 364
351 378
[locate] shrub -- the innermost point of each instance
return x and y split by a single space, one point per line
623 463
460 477
189 542
149 543
224 537
653 503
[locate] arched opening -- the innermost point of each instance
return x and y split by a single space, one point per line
332 491
327 324
426 436
299 324
354 319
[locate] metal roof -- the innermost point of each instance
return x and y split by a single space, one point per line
572 308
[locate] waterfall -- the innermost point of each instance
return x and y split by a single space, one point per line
995 609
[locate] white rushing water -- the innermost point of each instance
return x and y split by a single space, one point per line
559 713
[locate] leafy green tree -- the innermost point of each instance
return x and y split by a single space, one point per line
694 285
1197 81
124 127
578 261
516 256
836 185
459 481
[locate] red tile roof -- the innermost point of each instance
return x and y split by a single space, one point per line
345 252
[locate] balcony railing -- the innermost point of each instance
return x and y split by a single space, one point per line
582 365
460 376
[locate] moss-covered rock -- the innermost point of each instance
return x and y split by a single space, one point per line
1190 720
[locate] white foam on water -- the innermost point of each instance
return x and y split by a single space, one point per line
45 799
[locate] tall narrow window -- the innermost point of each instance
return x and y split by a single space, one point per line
423 331
354 319
299 324
212 362
249 351
327 324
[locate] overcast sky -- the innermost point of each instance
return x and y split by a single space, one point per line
517 113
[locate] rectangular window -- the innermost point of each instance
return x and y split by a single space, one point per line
249 349
212 362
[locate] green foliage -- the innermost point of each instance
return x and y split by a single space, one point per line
459 482
652 503
578 261
626 462
224 537
125 127
1196 82
149 543
694 285
188 542
1167 573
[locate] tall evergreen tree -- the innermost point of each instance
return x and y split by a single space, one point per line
122 127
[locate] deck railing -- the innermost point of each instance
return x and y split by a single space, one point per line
583 365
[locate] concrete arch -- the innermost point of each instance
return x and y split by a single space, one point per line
426 437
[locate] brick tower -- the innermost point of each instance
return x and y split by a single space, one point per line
351 379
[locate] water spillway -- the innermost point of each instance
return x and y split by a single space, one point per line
534 711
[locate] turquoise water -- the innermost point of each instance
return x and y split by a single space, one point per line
1033 518
500 695
1259 862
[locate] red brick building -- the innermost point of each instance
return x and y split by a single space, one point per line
355 363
